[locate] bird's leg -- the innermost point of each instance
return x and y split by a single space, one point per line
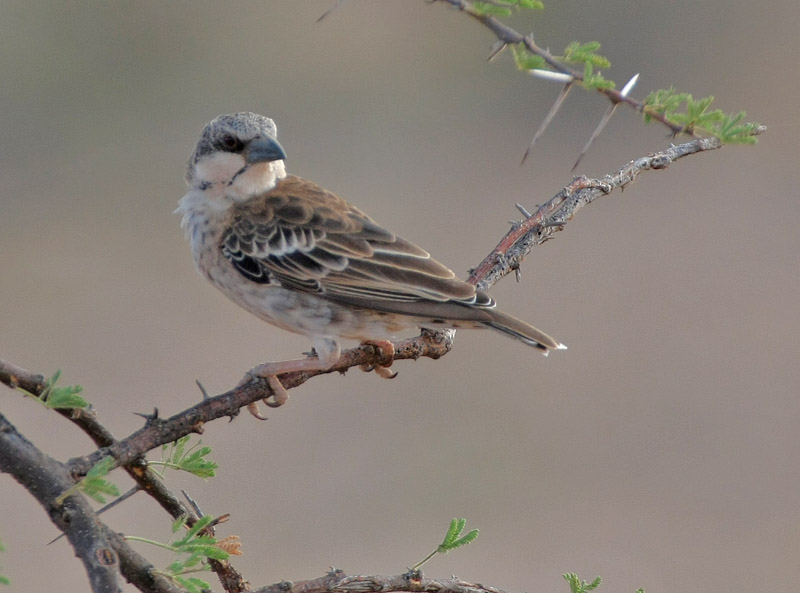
327 354
387 355
270 372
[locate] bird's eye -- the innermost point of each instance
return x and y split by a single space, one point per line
230 142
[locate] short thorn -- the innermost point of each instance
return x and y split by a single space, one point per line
148 417
202 389
524 211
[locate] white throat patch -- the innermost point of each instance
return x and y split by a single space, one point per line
227 175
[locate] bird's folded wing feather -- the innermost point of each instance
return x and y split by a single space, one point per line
303 237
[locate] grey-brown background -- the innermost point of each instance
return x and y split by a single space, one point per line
660 450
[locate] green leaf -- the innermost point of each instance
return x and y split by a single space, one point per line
576 585
193 584
594 584
3 580
572 579
595 80
525 60
59 398
585 53
695 115
453 538
467 538
178 523
731 131
490 9
663 102
519 4
98 488
192 551
64 398
453 531
195 464
206 550
94 485
192 460
101 468
201 524
695 108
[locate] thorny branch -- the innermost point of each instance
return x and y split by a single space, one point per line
102 551
146 481
413 582
508 36
129 452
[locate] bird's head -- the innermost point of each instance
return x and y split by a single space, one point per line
237 157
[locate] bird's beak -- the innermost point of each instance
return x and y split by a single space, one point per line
263 150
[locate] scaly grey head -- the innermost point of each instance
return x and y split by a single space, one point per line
237 157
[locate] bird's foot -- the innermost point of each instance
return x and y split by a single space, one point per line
278 397
270 372
386 349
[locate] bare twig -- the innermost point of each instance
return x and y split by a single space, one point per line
413 582
552 216
15 376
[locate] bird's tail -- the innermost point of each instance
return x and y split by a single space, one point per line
523 332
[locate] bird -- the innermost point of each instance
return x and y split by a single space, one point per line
303 259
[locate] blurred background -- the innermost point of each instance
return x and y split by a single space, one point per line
659 451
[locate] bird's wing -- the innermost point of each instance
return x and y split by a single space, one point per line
303 237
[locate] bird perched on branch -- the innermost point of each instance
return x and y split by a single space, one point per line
303 259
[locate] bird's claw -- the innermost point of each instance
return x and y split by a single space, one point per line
385 372
255 412
386 348
278 397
